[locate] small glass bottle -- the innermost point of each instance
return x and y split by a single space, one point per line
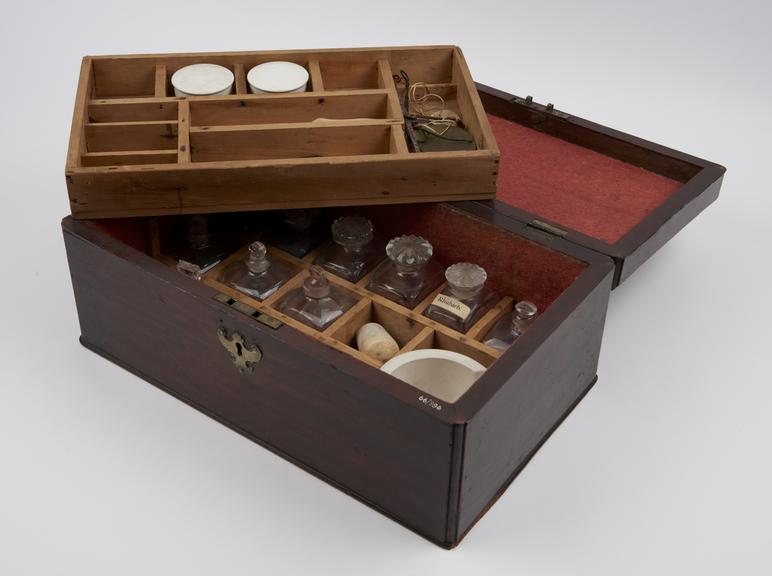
352 252
410 274
510 327
298 231
318 303
465 299
257 275
201 253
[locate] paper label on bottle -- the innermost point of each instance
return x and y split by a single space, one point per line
452 305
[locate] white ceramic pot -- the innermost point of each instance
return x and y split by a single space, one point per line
277 77
202 80
442 374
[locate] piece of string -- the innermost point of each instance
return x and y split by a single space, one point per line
423 102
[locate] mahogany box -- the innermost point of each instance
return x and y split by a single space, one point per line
578 208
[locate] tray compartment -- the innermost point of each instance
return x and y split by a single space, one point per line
129 157
113 111
401 326
123 78
303 107
124 136
349 75
282 141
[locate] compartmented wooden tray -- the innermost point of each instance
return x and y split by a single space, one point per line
409 326
136 149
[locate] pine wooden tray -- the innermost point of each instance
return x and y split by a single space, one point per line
135 149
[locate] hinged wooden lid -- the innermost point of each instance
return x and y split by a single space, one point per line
135 149
609 191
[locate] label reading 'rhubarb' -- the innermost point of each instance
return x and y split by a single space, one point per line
452 305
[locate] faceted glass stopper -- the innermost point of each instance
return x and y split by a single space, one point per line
352 232
301 219
316 285
525 310
524 314
198 233
465 279
257 262
409 253
192 270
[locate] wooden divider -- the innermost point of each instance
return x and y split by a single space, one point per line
183 135
315 72
160 81
240 79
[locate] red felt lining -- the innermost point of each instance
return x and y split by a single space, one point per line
130 231
516 267
573 186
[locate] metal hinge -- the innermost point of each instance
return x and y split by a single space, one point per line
549 228
248 310
546 108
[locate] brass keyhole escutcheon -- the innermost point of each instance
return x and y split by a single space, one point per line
243 356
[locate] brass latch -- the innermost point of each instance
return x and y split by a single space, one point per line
545 227
247 310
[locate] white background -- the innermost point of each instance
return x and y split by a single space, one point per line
665 467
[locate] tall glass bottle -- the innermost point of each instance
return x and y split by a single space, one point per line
353 251
298 231
317 303
465 299
511 326
257 275
410 274
202 252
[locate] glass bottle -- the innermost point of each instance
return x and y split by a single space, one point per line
410 274
510 327
202 252
465 299
352 252
298 231
318 303
257 275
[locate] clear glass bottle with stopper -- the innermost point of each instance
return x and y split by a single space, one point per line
257 275
202 252
298 231
511 326
353 250
465 299
410 274
317 303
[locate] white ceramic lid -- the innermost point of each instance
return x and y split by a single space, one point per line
277 76
202 79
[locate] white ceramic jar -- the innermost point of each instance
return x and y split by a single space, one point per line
277 77
202 80
443 374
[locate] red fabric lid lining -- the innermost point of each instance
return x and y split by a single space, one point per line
572 186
